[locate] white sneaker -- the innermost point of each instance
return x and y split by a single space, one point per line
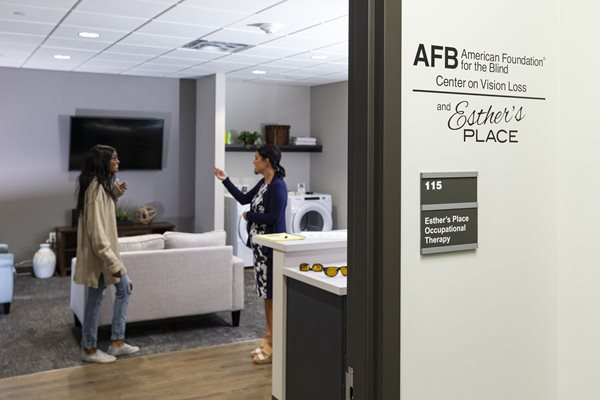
99 357
124 350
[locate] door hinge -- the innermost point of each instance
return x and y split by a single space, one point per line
349 384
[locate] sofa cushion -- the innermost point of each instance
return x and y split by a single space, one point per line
180 240
141 242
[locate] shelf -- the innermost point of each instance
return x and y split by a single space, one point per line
291 148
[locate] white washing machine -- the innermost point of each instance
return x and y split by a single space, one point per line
235 226
309 212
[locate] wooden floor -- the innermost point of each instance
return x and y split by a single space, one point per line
219 372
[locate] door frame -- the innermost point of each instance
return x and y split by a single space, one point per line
374 180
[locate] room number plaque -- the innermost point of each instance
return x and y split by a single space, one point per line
448 211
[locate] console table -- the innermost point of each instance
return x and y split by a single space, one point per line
66 240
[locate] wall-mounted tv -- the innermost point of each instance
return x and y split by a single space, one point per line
139 141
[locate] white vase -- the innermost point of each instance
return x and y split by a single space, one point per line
44 262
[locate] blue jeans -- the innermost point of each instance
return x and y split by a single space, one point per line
89 334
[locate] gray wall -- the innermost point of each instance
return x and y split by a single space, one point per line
37 190
250 106
329 124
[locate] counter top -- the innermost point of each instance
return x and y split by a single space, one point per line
336 285
311 241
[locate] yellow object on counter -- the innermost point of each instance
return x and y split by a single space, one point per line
281 237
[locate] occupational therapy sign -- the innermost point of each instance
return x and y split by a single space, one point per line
483 94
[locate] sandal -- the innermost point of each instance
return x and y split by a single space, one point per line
265 356
257 350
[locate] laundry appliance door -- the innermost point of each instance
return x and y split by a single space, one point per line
311 217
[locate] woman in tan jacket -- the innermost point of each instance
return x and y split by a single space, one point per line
98 261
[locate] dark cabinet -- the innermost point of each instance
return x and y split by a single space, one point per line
315 343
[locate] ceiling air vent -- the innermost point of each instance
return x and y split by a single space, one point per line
210 45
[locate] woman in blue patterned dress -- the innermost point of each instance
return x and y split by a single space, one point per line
268 201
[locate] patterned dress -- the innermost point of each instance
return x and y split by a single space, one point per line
259 252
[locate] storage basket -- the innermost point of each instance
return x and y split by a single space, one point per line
278 134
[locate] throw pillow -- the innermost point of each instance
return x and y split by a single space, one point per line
141 242
180 240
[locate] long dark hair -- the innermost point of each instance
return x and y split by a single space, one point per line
273 154
96 165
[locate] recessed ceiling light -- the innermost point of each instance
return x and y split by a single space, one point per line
319 57
62 57
89 34
259 72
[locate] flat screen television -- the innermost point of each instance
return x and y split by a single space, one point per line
139 141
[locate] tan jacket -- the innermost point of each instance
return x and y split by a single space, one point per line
97 247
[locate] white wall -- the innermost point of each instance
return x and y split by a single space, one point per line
579 275
37 190
482 324
329 124
250 106
210 125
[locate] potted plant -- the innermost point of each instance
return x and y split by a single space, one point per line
248 138
123 216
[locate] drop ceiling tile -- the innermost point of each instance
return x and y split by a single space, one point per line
139 72
76 44
287 24
201 70
199 16
217 66
245 59
15 39
141 39
121 65
297 74
45 54
158 67
60 4
334 31
195 54
100 70
239 36
243 6
72 32
298 43
268 51
16 51
30 14
293 63
314 57
132 49
169 2
27 28
183 62
338 48
128 8
269 71
326 68
295 15
121 57
173 29
66 66
11 62
187 75
88 21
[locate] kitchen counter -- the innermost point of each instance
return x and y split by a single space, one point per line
327 248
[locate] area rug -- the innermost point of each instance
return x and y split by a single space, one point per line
39 334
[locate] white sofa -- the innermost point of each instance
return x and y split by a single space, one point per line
174 275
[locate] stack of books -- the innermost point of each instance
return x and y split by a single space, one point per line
304 141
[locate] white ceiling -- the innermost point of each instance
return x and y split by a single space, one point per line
145 37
